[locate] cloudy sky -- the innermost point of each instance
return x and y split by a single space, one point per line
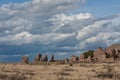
59 27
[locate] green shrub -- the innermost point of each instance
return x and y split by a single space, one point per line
89 53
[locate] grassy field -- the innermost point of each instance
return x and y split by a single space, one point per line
53 71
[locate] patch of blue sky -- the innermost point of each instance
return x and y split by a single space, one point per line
101 8
12 1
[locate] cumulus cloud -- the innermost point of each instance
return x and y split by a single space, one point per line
44 25
23 23
101 33
27 38
14 18
61 19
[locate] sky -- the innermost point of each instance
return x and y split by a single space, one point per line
59 27
102 8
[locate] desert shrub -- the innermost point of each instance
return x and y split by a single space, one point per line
83 64
14 77
65 72
62 78
4 76
68 70
89 53
109 73
70 64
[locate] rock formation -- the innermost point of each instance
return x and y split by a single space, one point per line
66 60
45 58
99 55
109 54
25 60
38 58
113 52
89 59
82 58
74 58
52 58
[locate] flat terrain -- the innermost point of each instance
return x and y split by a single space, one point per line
53 71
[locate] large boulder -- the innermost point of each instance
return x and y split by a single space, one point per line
99 55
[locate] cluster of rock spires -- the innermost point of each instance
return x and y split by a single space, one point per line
38 59
109 54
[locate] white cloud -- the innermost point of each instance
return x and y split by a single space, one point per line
27 38
91 29
100 33
61 54
47 24
61 19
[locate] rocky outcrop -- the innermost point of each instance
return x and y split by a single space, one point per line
25 59
113 49
52 58
66 60
45 58
89 59
74 58
113 52
99 55
38 58
82 58
109 54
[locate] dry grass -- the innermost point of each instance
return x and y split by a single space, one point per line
4 76
109 73
54 71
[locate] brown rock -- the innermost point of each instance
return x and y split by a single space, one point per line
45 58
61 61
113 51
66 61
35 60
88 59
52 59
116 47
82 59
109 54
109 60
38 58
25 60
99 55
74 58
